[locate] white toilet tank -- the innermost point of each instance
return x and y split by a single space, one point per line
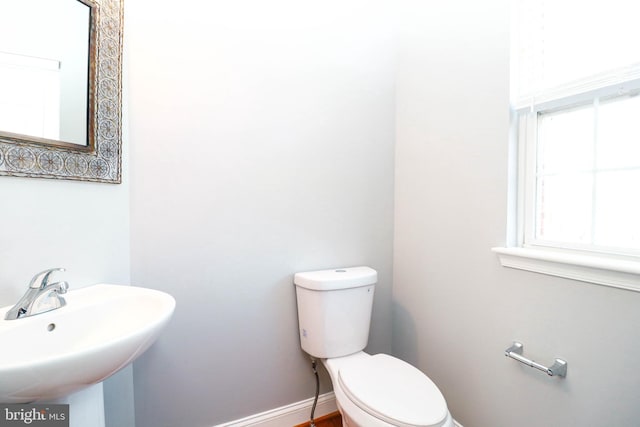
334 310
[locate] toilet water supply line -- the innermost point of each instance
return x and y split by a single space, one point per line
315 400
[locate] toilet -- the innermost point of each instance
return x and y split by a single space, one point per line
334 315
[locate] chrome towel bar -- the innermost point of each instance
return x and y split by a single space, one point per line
559 367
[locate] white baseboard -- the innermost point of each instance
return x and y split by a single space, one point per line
289 415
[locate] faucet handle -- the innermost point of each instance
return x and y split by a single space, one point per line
60 287
41 279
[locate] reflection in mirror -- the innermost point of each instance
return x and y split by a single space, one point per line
61 89
44 69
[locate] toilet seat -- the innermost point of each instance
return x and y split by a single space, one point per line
393 391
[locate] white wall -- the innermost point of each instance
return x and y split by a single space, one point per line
455 309
262 145
81 226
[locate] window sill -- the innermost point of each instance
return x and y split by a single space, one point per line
616 273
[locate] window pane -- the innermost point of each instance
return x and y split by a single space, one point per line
617 209
565 141
619 133
564 208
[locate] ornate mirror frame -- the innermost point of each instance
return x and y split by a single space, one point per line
24 157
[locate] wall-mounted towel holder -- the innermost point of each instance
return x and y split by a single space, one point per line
559 367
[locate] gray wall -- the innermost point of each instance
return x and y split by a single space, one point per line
261 145
455 309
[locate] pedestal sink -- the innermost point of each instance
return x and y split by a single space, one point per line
101 329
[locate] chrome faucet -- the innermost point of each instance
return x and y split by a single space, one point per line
41 296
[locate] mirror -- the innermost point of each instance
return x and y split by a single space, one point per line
44 70
60 89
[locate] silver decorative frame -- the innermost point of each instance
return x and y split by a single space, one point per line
102 160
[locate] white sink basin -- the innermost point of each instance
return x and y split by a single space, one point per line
101 330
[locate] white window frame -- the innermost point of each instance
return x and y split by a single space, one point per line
598 266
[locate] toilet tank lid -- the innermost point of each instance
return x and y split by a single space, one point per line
338 278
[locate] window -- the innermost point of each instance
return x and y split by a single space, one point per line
575 94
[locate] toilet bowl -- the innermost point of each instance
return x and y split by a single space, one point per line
334 315
383 391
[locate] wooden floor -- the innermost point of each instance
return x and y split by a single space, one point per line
330 420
